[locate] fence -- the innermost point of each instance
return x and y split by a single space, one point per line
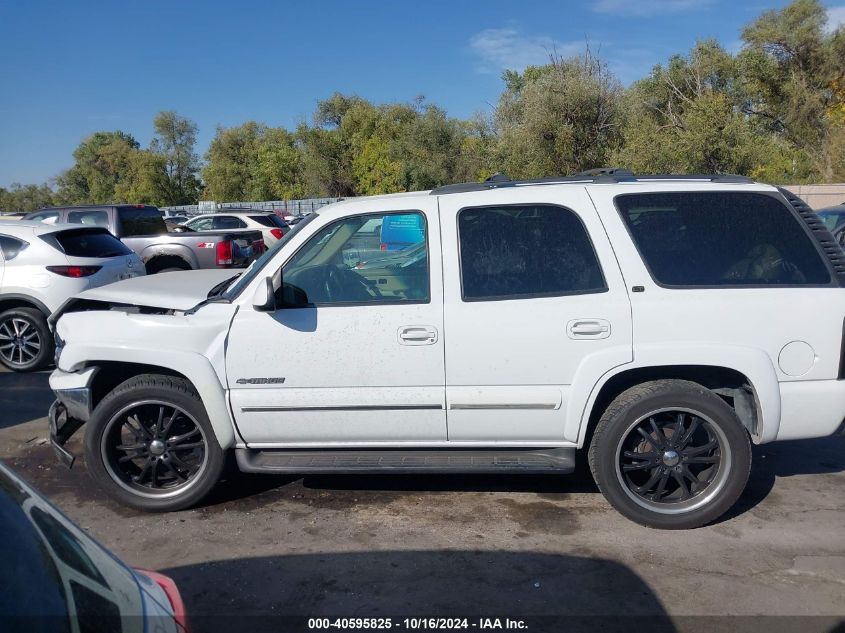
294 207
819 196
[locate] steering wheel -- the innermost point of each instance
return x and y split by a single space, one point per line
342 284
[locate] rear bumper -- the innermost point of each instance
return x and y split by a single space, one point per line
811 408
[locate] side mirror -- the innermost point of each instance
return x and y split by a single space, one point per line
264 299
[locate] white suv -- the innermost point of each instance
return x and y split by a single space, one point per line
660 323
41 265
271 225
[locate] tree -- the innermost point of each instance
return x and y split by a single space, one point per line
175 140
145 180
327 145
276 168
560 118
229 161
686 117
25 198
253 162
101 160
791 72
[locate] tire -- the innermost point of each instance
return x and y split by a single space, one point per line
166 264
26 343
691 472
170 461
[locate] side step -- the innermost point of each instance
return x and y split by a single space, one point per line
447 460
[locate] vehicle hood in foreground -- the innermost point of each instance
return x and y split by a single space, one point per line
173 291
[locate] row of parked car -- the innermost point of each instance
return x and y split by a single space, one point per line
53 254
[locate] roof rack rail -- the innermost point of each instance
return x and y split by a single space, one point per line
602 175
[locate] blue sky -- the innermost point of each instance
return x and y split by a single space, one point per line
71 68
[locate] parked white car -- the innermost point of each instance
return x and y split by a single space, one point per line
271 225
659 324
41 266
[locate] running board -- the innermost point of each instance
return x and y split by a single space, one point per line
448 460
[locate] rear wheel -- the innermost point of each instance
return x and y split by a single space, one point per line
151 446
670 454
25 340
166 264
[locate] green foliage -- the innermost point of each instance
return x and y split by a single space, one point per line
227 169
102 160
790 74
253 162
25 198
174 140
560 118
276 171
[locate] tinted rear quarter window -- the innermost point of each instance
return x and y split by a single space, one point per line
273 221
228 222
11 246
721 239
524 252
87 243
137 221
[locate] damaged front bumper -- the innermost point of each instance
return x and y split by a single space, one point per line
71 409
62 427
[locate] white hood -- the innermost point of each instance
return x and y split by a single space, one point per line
173 291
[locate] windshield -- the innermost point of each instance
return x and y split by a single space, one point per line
256 266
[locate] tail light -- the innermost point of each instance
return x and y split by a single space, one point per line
74 271
224 253
277 233
174 597
258 246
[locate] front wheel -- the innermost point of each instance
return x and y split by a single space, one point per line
150 444
670 454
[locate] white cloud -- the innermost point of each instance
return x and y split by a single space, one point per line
507 48
648 7
835 18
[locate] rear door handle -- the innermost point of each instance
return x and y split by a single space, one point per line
588 328
417 335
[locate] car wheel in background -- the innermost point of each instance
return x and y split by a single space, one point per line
25 340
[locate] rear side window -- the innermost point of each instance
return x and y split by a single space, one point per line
721 239
11 247
518 252
87 243
139 221
225 222
273 221
48 217
89 217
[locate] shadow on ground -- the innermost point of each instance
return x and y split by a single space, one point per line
824 455
415 583
23 397
780 459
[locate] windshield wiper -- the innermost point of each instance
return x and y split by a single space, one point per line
217 290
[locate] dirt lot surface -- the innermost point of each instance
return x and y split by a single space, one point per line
459 545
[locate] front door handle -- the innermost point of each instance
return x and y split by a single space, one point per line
588 328
417 335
